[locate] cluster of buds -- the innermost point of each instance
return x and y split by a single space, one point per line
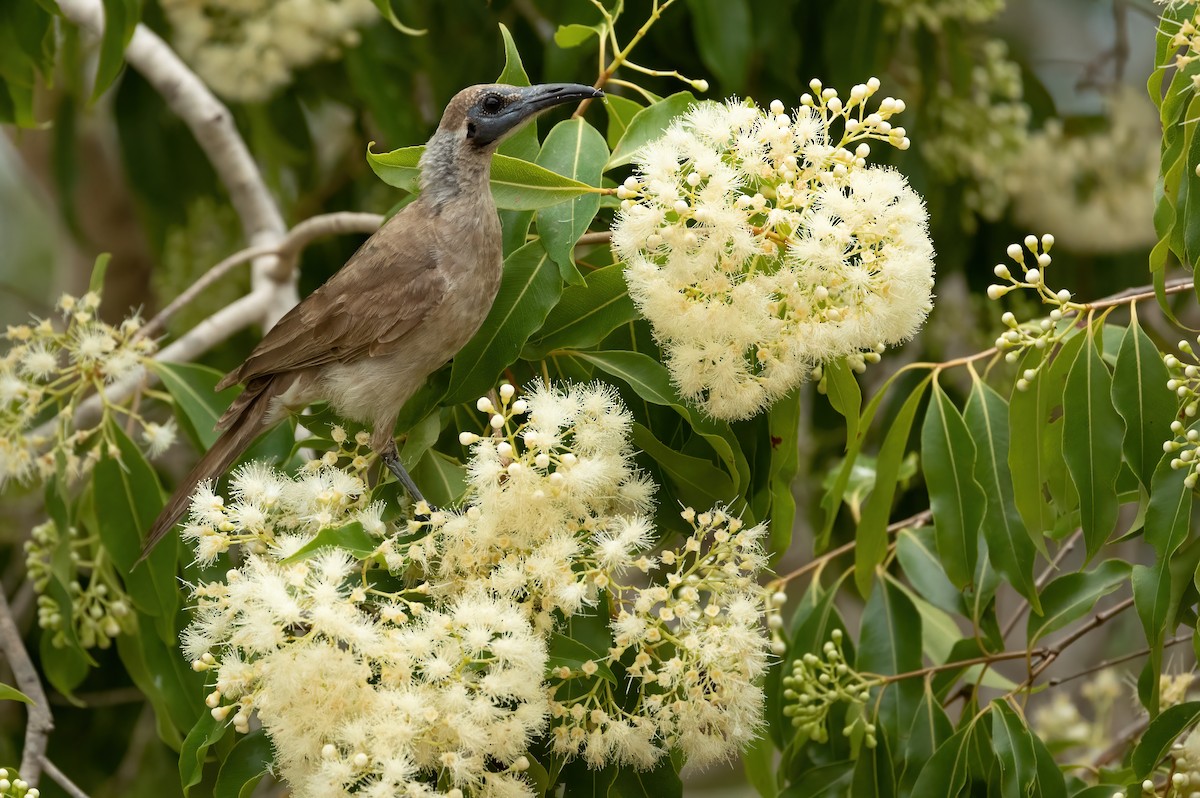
817 683
99 609
1185 382
1185 43
12 786
858 125
1043 333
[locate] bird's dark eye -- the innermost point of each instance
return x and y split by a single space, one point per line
492 103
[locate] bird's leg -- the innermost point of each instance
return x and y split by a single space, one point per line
391 458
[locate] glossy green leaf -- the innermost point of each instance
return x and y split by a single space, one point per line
9 693
99 270
1092 436
697 481
197 405
1141 396
1071 596
946 772
351 537
441 478
844 394
577 150
516 184
385 8
955 498
174 690
128 499
724 39
650 380
1014 750
570 653
529 288
647 125
121 18
660 781
245 765
523 143
926 730
783 425
585 314
916 550
872 543
1160 735
889 644
568 36
1009 546
204 735
874 772
621 111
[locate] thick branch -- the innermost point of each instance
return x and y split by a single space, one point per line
40 722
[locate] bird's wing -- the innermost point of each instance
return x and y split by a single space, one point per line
383 292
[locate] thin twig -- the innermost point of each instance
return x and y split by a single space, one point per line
817 562
1063 550
40 722
61 779
1108 663
1051 653
1118 747
600 237
986 659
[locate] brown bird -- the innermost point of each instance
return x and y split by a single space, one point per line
404 304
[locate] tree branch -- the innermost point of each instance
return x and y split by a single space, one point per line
61 779
40 722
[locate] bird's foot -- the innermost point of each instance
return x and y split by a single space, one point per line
391 459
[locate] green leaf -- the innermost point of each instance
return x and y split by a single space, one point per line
441 478
585 314
203 736
724 39
1160 735
890 644
917 551
198 406
844 394
120 20
529 288
1068 598
955 498
661 781
577 150
697 481
523 143
568 36
351 537
650 380
1141 396
1009 546
647 125
514 73
246 764
385 8
946 772
1092 435
174 690
128 499
783 422
927 730
96 282
621 111
1014 750
516 184
872 540
8 693
874 773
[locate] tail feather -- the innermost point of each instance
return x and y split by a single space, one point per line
240 430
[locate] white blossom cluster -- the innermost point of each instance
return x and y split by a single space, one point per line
1186 776
416 660
693 647
759 244
979 137
934 14
246 50
47 369
1095 190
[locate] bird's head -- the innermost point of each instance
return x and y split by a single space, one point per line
484 115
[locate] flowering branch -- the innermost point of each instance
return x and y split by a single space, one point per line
41 722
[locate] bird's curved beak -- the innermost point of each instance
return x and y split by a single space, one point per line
527 103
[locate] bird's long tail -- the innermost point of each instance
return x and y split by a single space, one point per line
243 423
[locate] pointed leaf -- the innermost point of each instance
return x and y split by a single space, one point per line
516 184
647 125
1141 396
844 394
352 537
1092 434
385 8
529 287
890 644
955 498
585 314
568 36
1014 750
121 18
696 479
250 760
1160 735
9 693
1072 596
197 405
577 150
872 542
621 111
1009 546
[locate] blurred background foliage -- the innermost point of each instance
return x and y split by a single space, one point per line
996 96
